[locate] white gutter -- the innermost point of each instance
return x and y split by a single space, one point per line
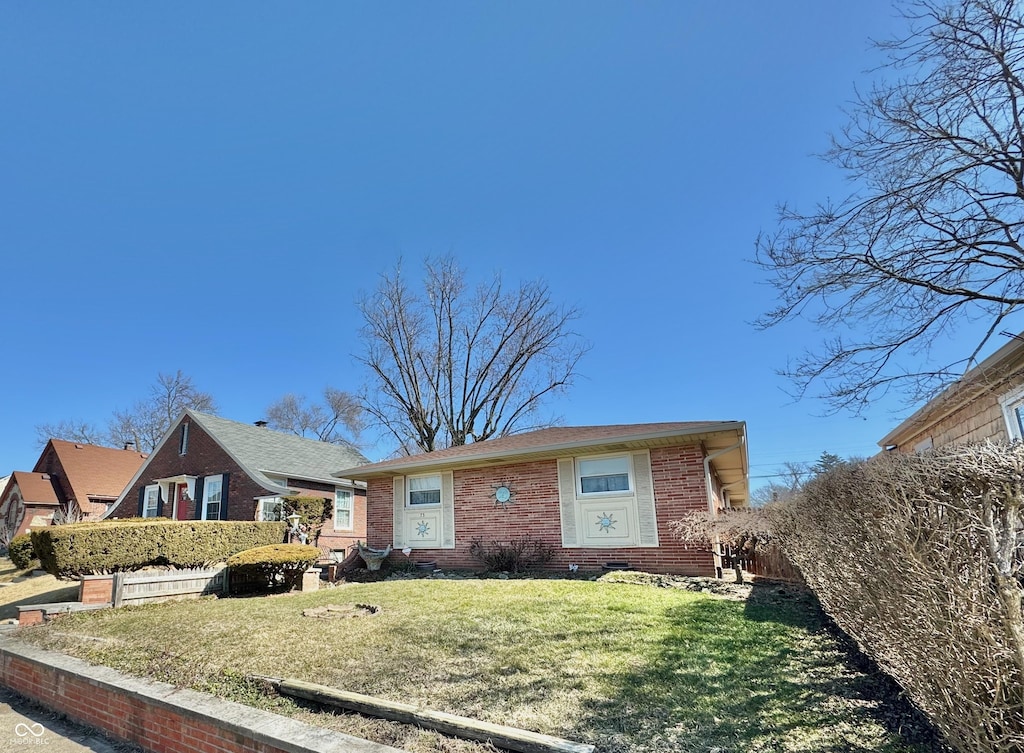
707 470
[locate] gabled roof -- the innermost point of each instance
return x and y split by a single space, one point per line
36 488
260 450
92 471
727 437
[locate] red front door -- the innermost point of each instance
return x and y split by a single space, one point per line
181 502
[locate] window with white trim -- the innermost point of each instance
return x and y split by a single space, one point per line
1013 413
604 475
183 440
424 491
271 509
342 509
151 501
212 495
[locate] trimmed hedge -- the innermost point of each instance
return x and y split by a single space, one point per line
20 551
272 566
116 545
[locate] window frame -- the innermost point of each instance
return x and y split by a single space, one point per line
350 509
261 511
410 505
1012 404
630 479
206 501
183 440
146 500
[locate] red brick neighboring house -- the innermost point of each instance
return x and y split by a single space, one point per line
209 468
82 479
595 494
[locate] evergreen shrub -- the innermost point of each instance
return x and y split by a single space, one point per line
109 546
267 567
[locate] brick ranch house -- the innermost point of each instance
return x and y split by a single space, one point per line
209 468
595 494
987 403
83 480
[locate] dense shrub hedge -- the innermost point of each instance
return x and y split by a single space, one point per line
920 558
313 513
20 551
273 566
110 546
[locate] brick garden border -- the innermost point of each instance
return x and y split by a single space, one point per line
158 716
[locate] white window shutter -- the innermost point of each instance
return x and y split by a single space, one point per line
448 510
398 536
647 515
567 501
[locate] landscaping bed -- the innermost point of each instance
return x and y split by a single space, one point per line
641 666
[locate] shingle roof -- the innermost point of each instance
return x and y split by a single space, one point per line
259 450
36 488
93 471
543 440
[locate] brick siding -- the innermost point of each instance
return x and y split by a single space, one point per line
678 474
159 717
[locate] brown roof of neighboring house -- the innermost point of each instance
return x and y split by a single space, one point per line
556 440
36 488
92 471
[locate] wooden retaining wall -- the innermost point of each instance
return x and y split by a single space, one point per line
147 586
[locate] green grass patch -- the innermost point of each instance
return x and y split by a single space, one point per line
624 667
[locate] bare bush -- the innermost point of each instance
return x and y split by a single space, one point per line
515 556
920 558
743 530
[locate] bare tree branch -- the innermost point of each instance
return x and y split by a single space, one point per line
338 419
452 365
931 237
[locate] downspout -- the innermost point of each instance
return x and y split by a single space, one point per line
717 552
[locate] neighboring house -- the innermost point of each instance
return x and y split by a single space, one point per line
81 480
209 468
595 494
986 403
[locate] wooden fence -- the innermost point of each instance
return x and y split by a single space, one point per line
143 587
767 562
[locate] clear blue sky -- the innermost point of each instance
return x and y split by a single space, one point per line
209 186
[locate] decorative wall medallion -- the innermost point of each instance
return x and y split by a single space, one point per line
605 522
422 528
502 495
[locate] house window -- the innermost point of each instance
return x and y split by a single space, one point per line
342 509
151 501
1013 413
603 475
424 490
183 442
271 509
212 493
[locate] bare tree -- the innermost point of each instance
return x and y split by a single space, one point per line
744 530
338 419
453 365
930 237
145 423
72 431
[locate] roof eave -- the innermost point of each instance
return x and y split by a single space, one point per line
484 458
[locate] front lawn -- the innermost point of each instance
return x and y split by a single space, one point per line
624 667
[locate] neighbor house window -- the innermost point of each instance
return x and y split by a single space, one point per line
212 495
151 501
342 509
1013 413
271 509
183 441
424 490
603 475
